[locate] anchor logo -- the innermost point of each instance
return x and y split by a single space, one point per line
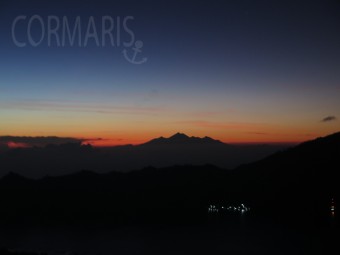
137 49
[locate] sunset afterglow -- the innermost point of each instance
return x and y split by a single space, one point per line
273 82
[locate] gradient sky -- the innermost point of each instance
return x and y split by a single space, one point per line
241 71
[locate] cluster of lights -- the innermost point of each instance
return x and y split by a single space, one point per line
332 206
240 208
213 208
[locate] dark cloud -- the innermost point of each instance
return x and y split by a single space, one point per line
328 119
28 141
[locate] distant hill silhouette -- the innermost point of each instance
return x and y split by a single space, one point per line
183 139
305 176
296 183
167 194
178 149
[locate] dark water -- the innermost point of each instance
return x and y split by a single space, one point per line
235 235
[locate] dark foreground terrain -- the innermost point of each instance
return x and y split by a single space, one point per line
292 196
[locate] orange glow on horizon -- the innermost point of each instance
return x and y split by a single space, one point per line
14 145
110 142
129 135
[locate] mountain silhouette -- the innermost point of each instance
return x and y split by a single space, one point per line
182 139
305 176
14 180
179 149
297 183
313 159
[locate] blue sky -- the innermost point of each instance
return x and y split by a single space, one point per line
229 70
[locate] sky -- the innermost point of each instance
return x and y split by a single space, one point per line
237 71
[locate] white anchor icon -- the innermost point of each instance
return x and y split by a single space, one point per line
136 50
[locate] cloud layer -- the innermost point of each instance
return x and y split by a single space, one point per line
328 119
28 141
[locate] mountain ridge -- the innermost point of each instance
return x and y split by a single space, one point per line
182 139
287 185
178 149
